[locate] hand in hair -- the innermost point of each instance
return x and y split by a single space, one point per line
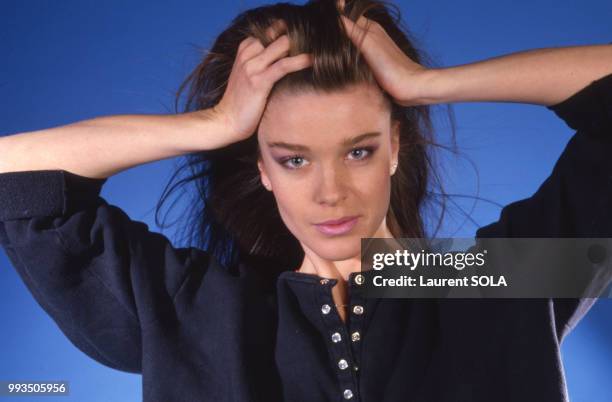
255 70
395 72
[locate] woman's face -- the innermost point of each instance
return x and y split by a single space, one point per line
327 156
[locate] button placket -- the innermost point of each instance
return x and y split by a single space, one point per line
338 341
357 313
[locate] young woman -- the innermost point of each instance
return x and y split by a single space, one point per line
308 130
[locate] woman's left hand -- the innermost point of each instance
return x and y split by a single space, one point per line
394 71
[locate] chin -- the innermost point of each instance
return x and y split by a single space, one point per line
339 249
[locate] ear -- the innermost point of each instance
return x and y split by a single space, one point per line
264 176
395 140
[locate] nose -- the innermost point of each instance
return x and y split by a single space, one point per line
331 186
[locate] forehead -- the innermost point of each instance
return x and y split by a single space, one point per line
309 117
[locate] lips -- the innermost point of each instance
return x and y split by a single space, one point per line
337 221
337 226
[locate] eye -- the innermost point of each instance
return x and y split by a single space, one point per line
293 162
362 153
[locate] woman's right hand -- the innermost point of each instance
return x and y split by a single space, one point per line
256 68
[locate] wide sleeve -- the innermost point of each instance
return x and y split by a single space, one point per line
100 275
575 200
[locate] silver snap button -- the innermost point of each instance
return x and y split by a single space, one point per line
347 394
355 336
343 364
359 279
358 310
336 337
324 281
325 309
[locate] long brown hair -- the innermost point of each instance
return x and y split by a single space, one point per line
233 216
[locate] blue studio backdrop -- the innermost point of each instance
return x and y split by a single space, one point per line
70 60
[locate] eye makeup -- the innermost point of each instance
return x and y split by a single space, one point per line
369 151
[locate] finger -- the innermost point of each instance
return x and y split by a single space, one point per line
363 22
287 65
355 31
276 29
244 43
254 46
277 49
251 47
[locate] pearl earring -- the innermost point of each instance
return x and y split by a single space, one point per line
393 167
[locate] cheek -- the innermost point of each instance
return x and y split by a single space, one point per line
292 204
373 182
375 193
378 182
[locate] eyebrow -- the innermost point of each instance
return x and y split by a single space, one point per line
345 142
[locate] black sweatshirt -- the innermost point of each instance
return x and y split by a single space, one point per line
198 331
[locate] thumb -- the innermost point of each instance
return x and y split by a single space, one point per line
354 31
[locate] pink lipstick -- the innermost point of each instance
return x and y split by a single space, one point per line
337 226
